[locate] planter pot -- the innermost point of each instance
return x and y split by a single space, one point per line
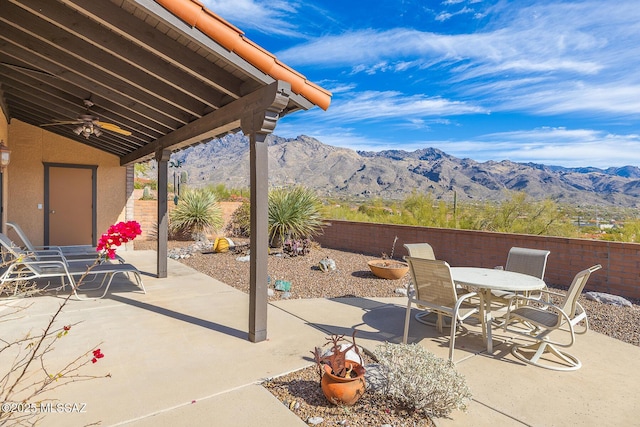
343 391
388 268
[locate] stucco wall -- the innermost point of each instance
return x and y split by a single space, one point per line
31 147
4 136
620 261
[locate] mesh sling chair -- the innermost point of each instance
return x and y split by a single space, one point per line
532 262
424 250
24 266
545 318
434 289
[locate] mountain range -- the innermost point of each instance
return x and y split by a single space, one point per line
394 174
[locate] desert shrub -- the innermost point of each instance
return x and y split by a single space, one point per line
240 222
421 380
197 212
294 213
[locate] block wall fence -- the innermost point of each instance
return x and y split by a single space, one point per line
146 213
620 274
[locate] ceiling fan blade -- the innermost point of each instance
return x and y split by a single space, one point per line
113 128
62 122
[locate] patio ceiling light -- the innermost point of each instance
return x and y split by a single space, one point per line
5 156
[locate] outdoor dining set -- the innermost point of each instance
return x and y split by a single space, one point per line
514 298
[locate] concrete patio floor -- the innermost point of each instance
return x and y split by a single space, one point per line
179 355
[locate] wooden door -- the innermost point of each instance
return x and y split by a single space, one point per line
69 202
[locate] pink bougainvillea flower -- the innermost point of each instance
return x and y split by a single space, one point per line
116 235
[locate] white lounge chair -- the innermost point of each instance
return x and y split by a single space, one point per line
25 266
71 253
434 289
545 317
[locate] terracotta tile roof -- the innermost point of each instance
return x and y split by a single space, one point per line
197 15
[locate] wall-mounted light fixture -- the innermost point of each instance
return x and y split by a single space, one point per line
5 156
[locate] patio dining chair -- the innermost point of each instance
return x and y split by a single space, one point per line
435 290
532 262
546 318
20 266
420 250
425 250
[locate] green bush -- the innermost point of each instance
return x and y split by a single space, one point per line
421 380
240 223
294 213
197 212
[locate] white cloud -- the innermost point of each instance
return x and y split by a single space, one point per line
272 17
378 105
552 146
552 46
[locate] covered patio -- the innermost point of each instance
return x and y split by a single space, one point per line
179 355
90 88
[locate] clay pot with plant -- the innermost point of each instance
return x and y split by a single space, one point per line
388 268
341 378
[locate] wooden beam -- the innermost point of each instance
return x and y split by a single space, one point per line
129 27
216 123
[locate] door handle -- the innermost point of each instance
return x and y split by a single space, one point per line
52 211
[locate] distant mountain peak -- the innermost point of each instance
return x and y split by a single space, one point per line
394 174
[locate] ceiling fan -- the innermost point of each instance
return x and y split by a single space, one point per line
88 124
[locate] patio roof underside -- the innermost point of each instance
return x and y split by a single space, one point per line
144 69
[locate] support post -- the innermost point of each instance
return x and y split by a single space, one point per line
259 237
162 157
257 124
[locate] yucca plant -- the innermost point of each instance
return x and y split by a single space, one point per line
197 212
294 213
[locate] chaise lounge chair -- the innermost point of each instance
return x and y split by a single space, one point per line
25 266
71 253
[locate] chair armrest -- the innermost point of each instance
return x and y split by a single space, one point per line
467 296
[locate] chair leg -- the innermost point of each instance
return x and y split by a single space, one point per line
407 318
571 363
452 340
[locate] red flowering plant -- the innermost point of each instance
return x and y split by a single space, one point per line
28 375
116 235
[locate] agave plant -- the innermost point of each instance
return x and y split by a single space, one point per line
294 213
197 212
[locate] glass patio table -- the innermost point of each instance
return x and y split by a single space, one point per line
490 279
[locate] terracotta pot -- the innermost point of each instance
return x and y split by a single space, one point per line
343 391
388 268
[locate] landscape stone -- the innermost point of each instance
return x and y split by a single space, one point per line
608 299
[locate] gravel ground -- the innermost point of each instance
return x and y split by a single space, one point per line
352 277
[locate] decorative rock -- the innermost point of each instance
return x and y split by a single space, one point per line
608 299
315 420
401 291
244 258
188 251
374 378
270 292
286 295
327 264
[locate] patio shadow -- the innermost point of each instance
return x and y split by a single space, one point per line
183 317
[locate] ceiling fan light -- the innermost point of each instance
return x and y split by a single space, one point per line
97 132
78 130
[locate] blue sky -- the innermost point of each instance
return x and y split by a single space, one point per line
551 82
